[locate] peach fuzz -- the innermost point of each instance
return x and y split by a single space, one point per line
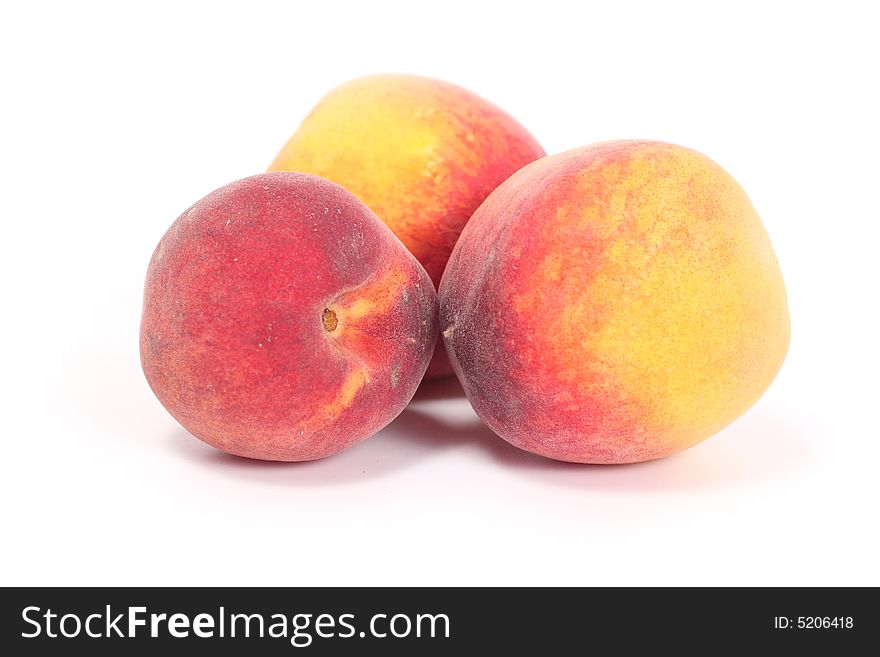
615 303
283 321
421 153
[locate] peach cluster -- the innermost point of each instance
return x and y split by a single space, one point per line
610 304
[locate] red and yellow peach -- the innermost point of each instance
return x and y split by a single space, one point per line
283 321
421 153
615 303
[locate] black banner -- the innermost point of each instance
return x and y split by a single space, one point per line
111 621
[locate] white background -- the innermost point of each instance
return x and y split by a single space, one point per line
114 120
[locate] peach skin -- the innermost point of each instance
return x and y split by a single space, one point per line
615 303
283 321
421 153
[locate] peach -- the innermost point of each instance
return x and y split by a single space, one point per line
615 303
421 153
283 321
